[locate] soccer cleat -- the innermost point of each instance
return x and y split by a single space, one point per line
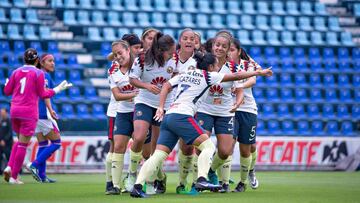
254 183
193 190
7 173
160 185
202 184
129 181
150 188
109 187
137 192
34 172
114 191
213 178
15 181
231 181
241 187
225 188
180 189
48 180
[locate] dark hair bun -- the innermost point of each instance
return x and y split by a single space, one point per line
204 60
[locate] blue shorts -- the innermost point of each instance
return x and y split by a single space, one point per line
245 127
145 113
111 124
175 126
221 125
124 124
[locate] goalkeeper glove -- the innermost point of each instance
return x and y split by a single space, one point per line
63 86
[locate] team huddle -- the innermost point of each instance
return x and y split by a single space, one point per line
164 94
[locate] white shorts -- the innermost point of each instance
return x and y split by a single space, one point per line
44 126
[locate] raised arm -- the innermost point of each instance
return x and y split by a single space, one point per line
243 75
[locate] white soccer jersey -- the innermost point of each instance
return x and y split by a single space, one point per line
119 80
155 75
219 99
182 67
249 104
192 85
112 107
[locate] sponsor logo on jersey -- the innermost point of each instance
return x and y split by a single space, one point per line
139 113
216 90
158 81
127 88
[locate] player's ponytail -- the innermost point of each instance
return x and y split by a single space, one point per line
161 44
203 60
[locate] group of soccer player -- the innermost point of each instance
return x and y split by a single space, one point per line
201 87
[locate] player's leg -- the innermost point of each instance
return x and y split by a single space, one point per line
254 183
108 160
15 123
160 180
185 157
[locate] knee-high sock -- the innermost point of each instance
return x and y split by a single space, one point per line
225 170
19 159
117 168
42 167
253 160
244 168
160 173
184 167
135 158
217 162
207 149
46 153
151 166
12 154
108 164
195 167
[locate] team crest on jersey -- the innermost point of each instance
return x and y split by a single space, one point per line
139 113
216 90
158 81
201 122
170 70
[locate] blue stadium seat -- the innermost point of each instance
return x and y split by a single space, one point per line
37 46
144 20
356 80
244 37
301 95
258 37
172 20
45 33
261 22
98 111
59 61
259 94
287 95
292 8
31 16
288 127
357 96
248 7
343 54
100 4
219 6
283 111
72 61
315 80
19 48
328 54
116 5
122 31
343 111
3 17
19 3
346 39
315 95
131 6
216 21
160 5
16 15
53 48
204 6
29 32
109 34
274 128
94 34
270 54
316 66
75 77
98 18
332 39
210 33
90 94
59 76
70 4
314 54
316 38
290 24
319 24
278 7
300 80
299 54
273 37
260 130
333 24
313 111
331 95
276 23
329 80
74 94
343 80
271 81
330 65
317 128
285 80
13 32
69 17
232 21
332 128
320 9
285 54
113 18
2 65
355 111
347 128
82 111
272 95
303 128
186 20
175 5
306 8
328 111
345 95
287 38
170 32
67 111
189 6
83 17
302 66
158 20
355 53
2 80
128 19
246 22
202 21
302 38
5 3
262 7
255 52
145 5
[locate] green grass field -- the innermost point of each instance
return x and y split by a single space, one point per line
339 187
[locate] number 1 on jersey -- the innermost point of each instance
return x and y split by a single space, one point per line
23 84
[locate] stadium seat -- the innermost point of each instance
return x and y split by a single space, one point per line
285 80
355 111
67 111
98 111
145 5
272 95
343 80
216 21
170 32
345 95
5 3
328 111
37 46
357 96
29 32
83 17
160 5
94 34
315 80
72 61
315 95
3 65
342 111
219 6
313 111
317 128
319 24
274 128
204 6
74 94
271 81
82 111
16 15
232 21
13 32
175 5
283 111
333 24
276 23
332 128
270 54
332 39
109 34
69 18
290 24
98 18
288 128
331 95
300 80
303 128
69 3
19 3
314 54
302 38
329 80
347 128
189 6
123 31
259 94
19 48
263 7
306 8
128 19
53 48
100 4
131 6
292 8
285 54
158 20
248 7
31 16
261 22
3 17
45 33
90 94
287 95
59 61
258 37
320 9
172 20
186 20
273 37
261 130
316 38
59 76
299 54
246 22
244 37
355 53
278 7
75 77
113 18
287 38
343 54
346 39
330 65
356 80
202 21
328 55
116 5
301 95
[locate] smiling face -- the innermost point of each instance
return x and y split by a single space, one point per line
148 39
121 54
220 47
48 64
187 41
